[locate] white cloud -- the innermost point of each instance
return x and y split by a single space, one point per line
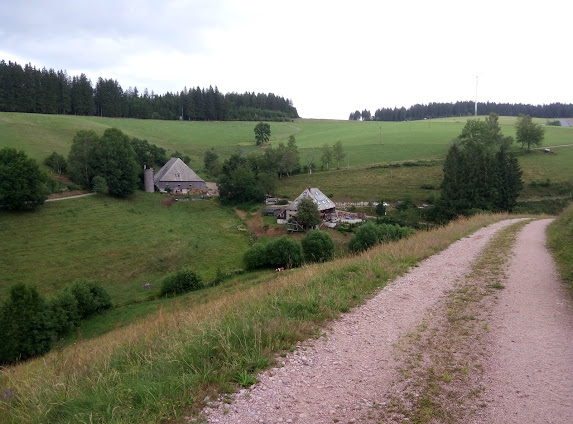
329 57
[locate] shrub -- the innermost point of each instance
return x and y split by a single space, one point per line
181 281
284 252
25 325
364 238
317 246
91 297
255 257
65 314
371 234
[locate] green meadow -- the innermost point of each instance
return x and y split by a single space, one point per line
365 143
121 243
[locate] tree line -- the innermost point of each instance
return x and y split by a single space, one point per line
31 90
467 108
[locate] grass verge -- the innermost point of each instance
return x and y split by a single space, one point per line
560 238
442 358
161 369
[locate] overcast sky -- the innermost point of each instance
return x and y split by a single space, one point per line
330 57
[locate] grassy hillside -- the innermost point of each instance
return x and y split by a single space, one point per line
365 142
120 243
162 368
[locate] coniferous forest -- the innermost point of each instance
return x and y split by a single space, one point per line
32 90
467 108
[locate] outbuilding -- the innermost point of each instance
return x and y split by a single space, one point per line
325 206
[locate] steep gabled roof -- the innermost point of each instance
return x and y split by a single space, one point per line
317 196
176 170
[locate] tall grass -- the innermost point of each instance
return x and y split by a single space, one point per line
560 238
163 367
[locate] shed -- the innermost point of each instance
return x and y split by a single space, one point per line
176 175
325 206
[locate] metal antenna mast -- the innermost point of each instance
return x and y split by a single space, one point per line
476 103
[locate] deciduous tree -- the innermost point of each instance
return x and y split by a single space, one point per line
262 133
22 182
307 213
528 132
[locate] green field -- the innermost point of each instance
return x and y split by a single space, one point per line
120 243
366 143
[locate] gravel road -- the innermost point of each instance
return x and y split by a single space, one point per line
343 376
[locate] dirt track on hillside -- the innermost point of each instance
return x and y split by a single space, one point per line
348 375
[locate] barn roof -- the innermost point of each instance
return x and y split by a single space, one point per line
317 196
176 170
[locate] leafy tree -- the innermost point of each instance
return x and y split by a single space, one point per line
113 158
528 132
65 313
147 155
262 133
255 257
380 209
100 185
284 252
211 162
292 156
25 325
238 183
307 213
91 297
22 182
80 157
365 237
317 246
56 162
326 157
338 152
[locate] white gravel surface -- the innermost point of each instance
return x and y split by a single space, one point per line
340 377
529 378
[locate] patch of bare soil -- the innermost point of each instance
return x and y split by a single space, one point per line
256 226
351 374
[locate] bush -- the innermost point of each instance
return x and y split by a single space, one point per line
366 236
181 281
317 246
255 257
284 252
371 234
65 313
25 325
91 297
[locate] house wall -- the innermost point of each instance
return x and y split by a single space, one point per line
182 185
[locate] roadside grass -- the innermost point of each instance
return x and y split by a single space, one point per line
560 239
443 358
121 243
162 368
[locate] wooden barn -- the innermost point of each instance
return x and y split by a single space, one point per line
178 177
326 207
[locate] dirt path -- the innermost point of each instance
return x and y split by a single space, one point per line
350 375
530 376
